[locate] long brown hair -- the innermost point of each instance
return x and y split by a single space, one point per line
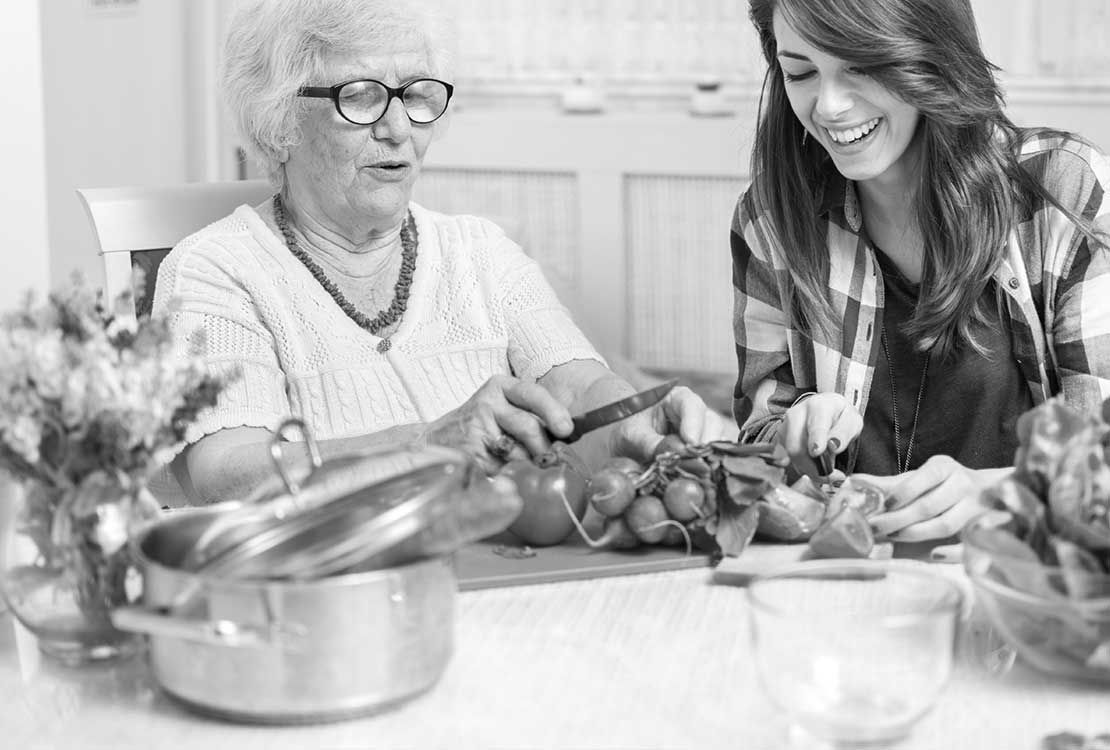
970 185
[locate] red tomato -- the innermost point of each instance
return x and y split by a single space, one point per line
544 520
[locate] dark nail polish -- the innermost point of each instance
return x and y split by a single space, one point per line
825 461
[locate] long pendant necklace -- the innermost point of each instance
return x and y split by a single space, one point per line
401 290
903 463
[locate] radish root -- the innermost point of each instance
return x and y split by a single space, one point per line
603 496
595 543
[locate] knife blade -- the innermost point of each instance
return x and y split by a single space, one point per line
618 410
595 418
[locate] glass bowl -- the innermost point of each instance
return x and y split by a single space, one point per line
1057 619
853 652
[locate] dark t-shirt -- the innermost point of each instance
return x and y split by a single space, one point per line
970 404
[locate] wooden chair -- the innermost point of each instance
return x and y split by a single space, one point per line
137 226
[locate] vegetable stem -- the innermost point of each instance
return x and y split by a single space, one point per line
578 524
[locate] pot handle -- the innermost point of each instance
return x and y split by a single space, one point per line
212 632
275 451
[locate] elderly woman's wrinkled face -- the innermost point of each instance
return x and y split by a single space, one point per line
358 178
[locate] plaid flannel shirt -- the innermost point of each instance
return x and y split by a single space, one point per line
1056 282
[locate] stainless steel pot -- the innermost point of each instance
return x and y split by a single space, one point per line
320 599
277 651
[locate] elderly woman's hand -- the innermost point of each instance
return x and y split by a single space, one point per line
933 501
503 406
815 424
682 411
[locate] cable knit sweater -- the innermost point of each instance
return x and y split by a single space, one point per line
478 307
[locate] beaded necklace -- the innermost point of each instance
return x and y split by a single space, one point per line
401 290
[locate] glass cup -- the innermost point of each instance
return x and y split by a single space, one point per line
854 652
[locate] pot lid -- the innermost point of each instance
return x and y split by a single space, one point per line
346 511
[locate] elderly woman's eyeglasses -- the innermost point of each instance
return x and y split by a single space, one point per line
365 102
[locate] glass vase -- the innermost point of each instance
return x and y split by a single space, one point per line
65 563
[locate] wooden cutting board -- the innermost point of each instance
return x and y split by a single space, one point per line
491 563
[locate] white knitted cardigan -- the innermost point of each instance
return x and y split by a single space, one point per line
478 307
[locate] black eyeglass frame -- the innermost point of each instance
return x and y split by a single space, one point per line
332 92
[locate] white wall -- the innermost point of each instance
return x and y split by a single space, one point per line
23 222
115 85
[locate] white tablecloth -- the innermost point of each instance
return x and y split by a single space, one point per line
649 661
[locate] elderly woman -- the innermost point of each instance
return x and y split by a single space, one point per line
342 301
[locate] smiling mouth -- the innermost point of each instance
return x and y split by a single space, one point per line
850 136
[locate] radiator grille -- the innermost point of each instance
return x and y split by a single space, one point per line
679 269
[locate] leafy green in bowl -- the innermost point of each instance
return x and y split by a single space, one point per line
1041 566
1057 618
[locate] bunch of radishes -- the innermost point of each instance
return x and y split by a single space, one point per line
718 497
674 499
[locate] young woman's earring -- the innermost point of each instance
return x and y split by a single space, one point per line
805 136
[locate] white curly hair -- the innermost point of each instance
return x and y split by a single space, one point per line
274 47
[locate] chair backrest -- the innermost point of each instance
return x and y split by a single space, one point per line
137 226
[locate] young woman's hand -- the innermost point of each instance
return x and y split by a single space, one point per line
504 420
933 501
817 423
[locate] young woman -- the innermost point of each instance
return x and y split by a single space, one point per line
912 270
